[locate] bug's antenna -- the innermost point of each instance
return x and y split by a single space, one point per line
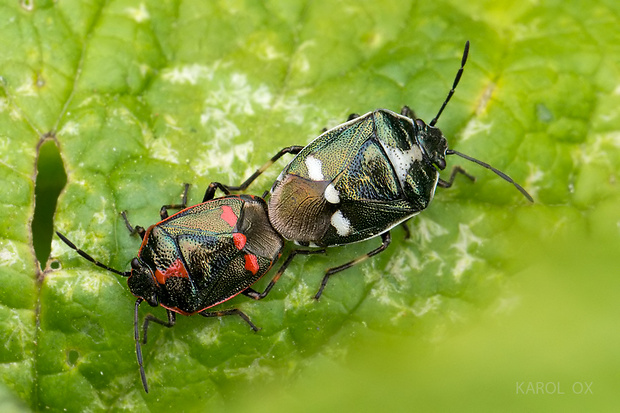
91 259
497 171
136 333
456 82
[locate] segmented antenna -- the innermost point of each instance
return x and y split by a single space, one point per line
456 82
136 333
91 259
497 171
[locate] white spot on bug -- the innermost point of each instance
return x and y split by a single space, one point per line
315 168
402 160
332 195
341 224
139 14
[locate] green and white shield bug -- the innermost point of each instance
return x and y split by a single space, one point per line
362 178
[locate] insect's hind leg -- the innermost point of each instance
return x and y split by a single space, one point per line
259 296
386 239
163 213
232 311
227 189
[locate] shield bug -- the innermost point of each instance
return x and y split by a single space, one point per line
200 257
360 179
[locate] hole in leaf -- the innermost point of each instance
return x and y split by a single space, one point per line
51 178
72 357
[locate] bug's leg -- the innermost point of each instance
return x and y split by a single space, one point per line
406 229
149 317
133 230
232 311
456 170
259 296
163 212
227 189
408 112
386 238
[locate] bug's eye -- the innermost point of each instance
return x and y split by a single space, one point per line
420 123
153 300
135 264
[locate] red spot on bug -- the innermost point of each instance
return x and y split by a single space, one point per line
251 263
177 269
228 215
239 239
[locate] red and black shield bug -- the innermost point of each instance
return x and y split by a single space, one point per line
200 257
360 179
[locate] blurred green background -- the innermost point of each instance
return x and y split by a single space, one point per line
493 304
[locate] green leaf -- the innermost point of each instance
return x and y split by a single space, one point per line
489 295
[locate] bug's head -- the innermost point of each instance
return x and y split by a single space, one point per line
142 282
433 143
